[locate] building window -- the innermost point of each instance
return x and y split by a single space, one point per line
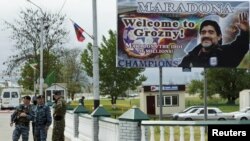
175 100
14 95
169 100
6 95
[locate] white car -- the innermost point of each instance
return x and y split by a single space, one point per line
243 114
187 110
213 113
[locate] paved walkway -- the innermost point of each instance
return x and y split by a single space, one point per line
6 130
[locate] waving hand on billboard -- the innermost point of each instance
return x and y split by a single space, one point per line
156 33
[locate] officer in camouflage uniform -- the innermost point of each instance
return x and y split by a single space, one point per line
59 117
22 117
42 120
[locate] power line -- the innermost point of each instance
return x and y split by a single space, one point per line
62 6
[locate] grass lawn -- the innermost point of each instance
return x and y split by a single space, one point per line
215 102
124 105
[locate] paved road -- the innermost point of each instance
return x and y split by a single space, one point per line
6 130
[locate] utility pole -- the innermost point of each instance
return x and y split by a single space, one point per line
41 80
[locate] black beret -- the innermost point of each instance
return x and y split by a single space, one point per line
39 96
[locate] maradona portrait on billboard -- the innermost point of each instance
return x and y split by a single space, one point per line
160 33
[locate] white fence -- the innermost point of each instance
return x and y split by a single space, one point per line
185 130
80 127
108 129
69 126
84 127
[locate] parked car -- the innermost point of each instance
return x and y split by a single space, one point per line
187 110
133 95
213 113
243 114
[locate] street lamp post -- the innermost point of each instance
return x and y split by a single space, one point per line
41 51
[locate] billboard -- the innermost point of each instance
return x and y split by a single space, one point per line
160 33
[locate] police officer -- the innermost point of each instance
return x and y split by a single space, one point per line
59 117
42 119
21 117
33 107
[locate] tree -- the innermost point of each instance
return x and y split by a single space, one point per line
72 72
195 86
225 82
113 81
29 74
26 36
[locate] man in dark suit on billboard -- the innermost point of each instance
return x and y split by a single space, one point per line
211 53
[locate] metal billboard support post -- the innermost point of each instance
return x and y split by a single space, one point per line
205 93
160 92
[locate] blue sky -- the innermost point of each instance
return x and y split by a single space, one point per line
81 12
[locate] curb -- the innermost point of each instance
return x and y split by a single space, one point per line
6 111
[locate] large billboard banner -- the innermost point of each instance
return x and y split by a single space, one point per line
160 33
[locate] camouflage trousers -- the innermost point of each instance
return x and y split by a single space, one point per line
21 130
58 130
40 133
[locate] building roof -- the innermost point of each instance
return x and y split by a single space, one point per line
58 86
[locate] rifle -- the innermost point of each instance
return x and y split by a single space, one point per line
34 131
15 115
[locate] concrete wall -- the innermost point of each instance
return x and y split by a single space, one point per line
108 128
